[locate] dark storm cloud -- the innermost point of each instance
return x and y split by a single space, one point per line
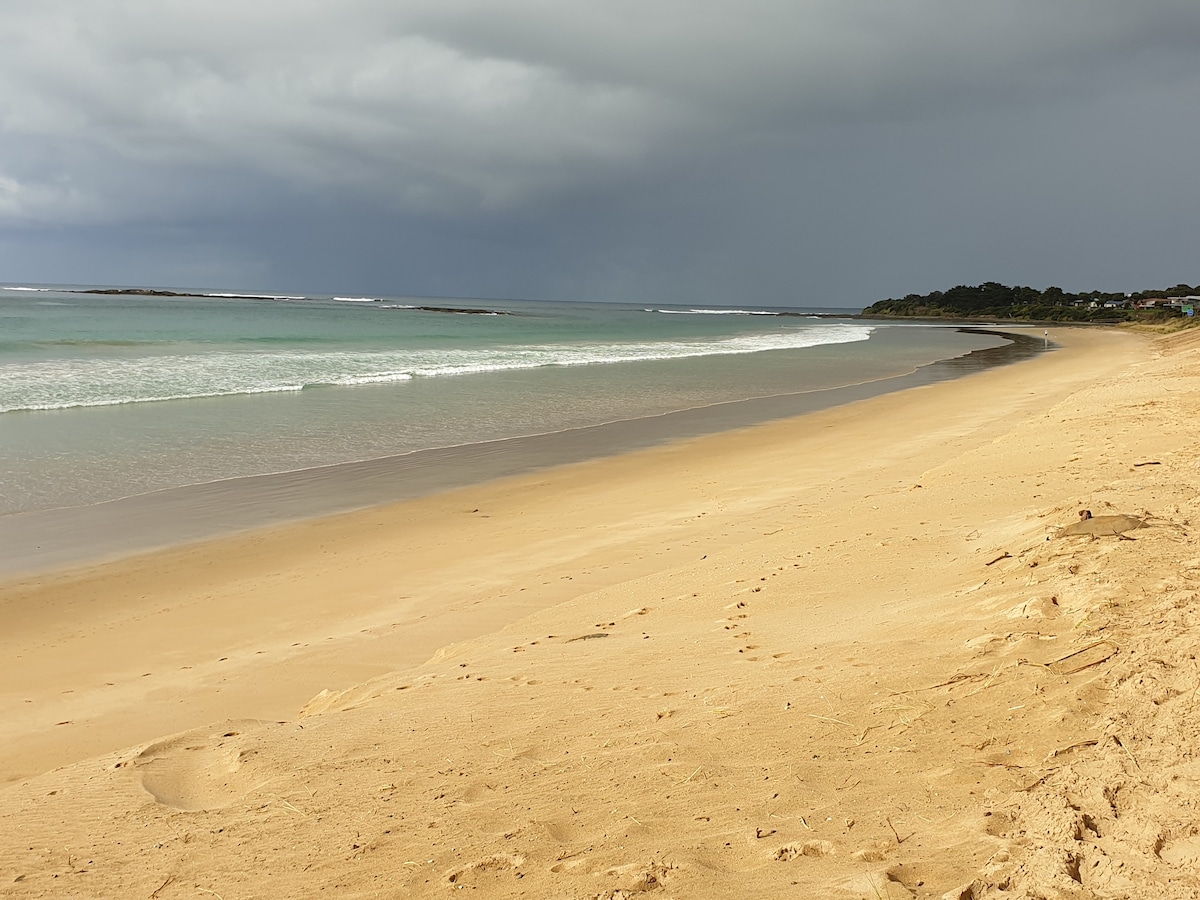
778 151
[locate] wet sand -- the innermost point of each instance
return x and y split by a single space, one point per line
54 538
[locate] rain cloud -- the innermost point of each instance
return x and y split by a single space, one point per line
815 153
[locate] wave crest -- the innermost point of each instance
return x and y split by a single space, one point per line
65 384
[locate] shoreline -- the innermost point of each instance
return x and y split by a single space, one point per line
39 541
847 655
198 590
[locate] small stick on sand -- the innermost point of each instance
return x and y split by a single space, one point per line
1127 753
950 681
828 719
1071 668
987 684
899 840
690 777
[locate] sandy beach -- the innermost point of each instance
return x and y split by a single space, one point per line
849 654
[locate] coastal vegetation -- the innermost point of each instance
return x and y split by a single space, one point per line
1026 304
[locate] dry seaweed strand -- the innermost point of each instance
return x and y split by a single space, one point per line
1067 749
1086 665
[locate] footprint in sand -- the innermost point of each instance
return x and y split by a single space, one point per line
735 621
813 849
1183 852
884 885
479 791
203 769
490 868
561 831
912 879
575 865
877 852
637 878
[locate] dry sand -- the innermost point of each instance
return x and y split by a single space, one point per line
846 655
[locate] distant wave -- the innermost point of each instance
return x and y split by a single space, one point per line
251 296
383 304
713 312
38 290
82 382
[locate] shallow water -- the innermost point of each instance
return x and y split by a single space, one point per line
112 396
47 538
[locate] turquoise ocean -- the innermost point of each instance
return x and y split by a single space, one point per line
109 396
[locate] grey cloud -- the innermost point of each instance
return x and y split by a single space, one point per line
336 104
679 146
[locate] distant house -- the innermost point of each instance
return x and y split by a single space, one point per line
1179 303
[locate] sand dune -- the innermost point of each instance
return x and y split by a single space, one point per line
850 655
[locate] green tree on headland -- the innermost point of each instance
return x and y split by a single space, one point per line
997 301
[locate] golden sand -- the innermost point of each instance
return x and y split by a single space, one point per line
846 655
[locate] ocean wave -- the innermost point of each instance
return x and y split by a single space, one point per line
374 378
251 296
357 299
79 382
36 290
714 312
122 401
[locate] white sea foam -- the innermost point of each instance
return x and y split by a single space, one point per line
357 299
82 381
256 296
38 290
375 378
714 312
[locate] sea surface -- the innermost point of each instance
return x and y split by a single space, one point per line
109 396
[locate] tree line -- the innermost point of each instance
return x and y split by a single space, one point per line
994 300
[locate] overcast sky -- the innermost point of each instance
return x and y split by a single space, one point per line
797 152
